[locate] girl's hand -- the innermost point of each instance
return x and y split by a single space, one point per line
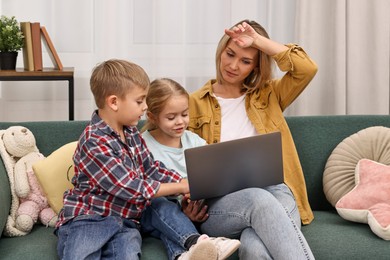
195 210
243 35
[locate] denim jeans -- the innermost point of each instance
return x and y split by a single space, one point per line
97 237
266 221
164 219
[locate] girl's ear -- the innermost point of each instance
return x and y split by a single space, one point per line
151 117
112 102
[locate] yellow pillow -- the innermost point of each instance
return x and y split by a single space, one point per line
55 173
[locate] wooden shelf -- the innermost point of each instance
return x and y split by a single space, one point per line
47 74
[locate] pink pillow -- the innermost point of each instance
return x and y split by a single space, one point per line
369 201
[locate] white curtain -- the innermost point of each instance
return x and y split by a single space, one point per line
349 40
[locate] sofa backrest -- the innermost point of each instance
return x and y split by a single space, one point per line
316 137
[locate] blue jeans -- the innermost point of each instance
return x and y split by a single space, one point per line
266 221
97 237
164 219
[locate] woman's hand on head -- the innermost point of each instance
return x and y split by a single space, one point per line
242 34
196 210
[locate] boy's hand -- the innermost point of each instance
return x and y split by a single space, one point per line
184 186
195 210
173 188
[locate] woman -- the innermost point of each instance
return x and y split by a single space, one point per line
243 101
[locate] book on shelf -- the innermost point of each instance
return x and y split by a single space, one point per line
50 49
36 45
28 58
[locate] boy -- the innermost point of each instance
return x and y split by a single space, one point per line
116 179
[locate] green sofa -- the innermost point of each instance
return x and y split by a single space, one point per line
329 236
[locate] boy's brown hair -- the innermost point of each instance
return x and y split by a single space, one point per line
115 77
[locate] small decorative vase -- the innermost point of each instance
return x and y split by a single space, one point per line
8 60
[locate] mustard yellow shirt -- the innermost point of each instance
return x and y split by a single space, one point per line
265 108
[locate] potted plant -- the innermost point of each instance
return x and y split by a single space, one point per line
11 41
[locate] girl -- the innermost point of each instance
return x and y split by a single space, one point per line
167 138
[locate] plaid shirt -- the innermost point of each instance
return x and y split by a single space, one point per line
112 177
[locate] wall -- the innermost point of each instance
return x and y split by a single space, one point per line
348 39
168 38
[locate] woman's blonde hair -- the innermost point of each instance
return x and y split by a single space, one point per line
160 91
263 71
115 77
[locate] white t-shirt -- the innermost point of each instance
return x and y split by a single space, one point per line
173 158
234 122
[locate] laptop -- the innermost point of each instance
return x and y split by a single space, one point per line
218 169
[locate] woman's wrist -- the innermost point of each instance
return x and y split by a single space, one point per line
268 46
257 42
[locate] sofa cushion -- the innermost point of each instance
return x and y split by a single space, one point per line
55 173
40 243
339 175
369 201
332 237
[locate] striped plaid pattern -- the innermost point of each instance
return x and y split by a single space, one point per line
113 177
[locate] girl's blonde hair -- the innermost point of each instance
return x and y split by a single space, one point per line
263 71
160 91
115 77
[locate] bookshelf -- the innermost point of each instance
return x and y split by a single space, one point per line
46 74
